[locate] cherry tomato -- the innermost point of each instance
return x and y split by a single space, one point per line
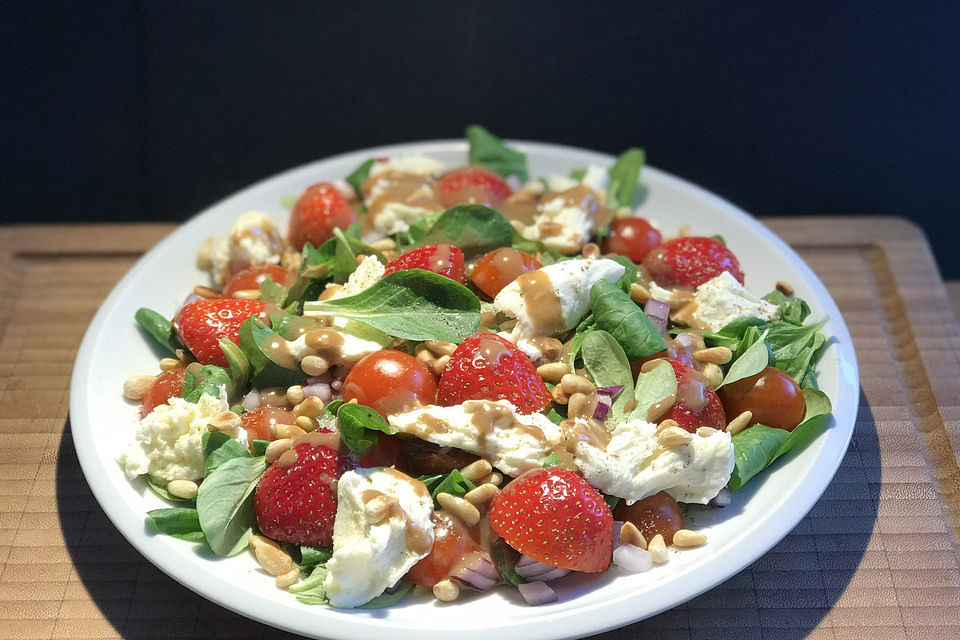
655 514
471 185
257 422
390 381
451 543
773 397
500 267
168 384
253 277
386 453
317 213
632 237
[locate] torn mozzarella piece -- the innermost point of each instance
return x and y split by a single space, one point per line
560 226
413 164
382 528
253 240
723 299
367 274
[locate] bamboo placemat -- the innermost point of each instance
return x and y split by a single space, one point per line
876 558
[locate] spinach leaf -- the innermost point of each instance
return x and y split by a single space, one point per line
552 460
272 292
225 504
755 448
787 340
313 274
310 556
453 483
385 600
487 150
653 386
160 490
618 315
206 380
792 310
607 364
629 270
259 447
239 371
612 501
179 522
752 361
218 448
731 335
557 414
624 175
265 372
158 327
333 406
412 304
359 426
310 590
360 174
474 228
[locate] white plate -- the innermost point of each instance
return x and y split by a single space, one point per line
760 515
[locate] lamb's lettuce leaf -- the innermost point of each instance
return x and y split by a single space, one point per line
624 175
487 150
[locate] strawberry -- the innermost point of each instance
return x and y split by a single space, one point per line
689 262
319 210
443 259
471 185
488 367
554 516
692 385
298 503
201 324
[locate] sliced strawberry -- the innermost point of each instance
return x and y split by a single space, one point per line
201 324
689 262
298 503
554 516
443 259
697 404
488 367
472 185
320 210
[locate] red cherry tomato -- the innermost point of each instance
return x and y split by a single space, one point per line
773 397
632 237
655 514
451 543
390 381
253 277
168 384
257 422
500 267
472 185
386 453
443 259
317 213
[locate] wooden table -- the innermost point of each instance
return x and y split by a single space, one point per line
876 558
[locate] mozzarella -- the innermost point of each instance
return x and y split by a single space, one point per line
575 225
396 217
415 164
723 299
368 273
253 239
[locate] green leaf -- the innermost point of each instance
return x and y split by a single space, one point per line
792 310
612 501
473 228
360 174
756 448
752 361
225 504
412 304
385 600
310 590
310 556
607 364
629 270
359 426
619 316
218 448
158 327
787 340
206 380
272 292
453 483
552 460
624 175
179 522
265 371
160 490
239 370
557 414
652 387
578 174
333 407
731 335
259 447
487 150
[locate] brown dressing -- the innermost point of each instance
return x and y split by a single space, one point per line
278 350
491 350
397 186
657 409
542 303
695 391
417 539
326 342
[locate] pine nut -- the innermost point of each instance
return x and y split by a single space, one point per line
549 228
559 396
686 538
674 438
185 356
460 508
286 580
440 348
685 231
590 250
482 494
136 387
573 383
206 292
290 260
657 409
446 591
424 356
386 244
553 371
360 258
476 470
307 423
658 549
224 421
314 366
273 397
577 405
247 294
714 355
281 431
311 407
650 365
706 432
376 510
666 424
785 288
271 557
295 394
166 364
550 348
629 534
495 478
186 489
639 293
713 374
276 449
739 423
440 364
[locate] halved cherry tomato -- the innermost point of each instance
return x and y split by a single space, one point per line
773 397
168 384
386 453
390 381
500 267
451 543
320 209
472 185
655 514
257 422
632 237
253 277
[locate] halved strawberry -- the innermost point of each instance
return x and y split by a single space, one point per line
201 324
253 277
443 259
693 388
320 209
689 262
488 367
298 503
554 516
472 185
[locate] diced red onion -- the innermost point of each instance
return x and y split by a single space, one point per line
684 339
514 182
553 575
325 378
659 314
605 397
251 401
617 525
632 558
722 499
321 390
530 569
481 574
537 593
190 298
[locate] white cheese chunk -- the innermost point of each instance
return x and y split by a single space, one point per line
396 217
575 225
596 177
368 273
415 164
382 528
253 240
723 299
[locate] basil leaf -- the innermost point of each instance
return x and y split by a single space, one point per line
652 387
225 504
487 150
179 522
259 447
607 364
757 447
473 228
310 590
412 304
389 599
752 361
158 327
160 490
359 426
218 448
360 175
312 556
624 175
619 316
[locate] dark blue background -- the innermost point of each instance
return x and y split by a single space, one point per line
151 111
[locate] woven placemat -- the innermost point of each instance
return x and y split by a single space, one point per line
876 558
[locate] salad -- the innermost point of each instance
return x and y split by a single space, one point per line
453 379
